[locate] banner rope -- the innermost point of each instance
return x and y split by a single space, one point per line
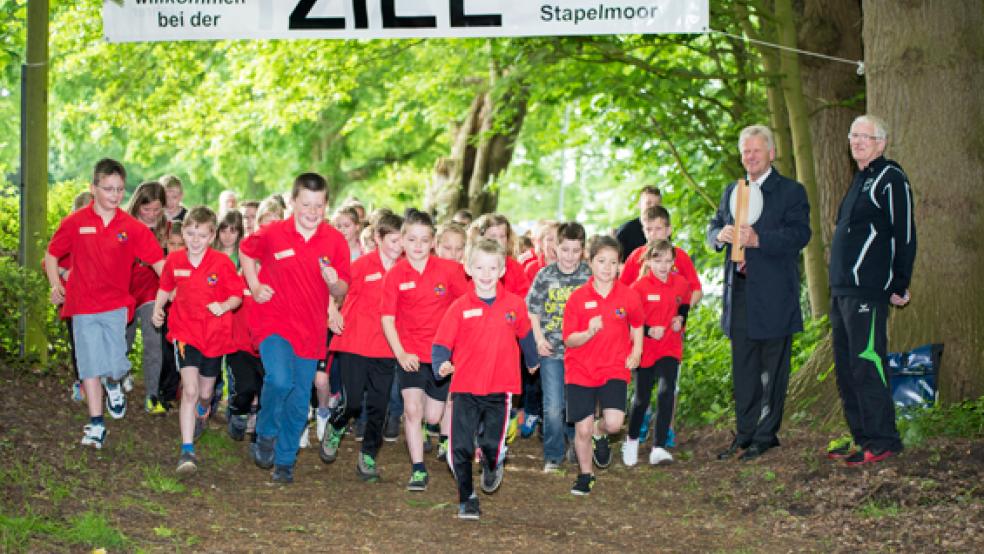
858 63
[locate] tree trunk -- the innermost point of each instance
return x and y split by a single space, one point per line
35 170
792 86
925 72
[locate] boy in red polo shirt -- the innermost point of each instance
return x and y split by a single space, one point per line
205 290
603 339
476 342
366 361
665 298
291 267
656 226
104 241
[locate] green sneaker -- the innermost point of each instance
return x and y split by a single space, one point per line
329 444
841 448
442 450
418 481
366 467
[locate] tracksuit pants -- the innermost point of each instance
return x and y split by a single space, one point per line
245 381
373 379
472 412
860 344
665 370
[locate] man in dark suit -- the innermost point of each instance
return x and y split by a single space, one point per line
630 234
761 296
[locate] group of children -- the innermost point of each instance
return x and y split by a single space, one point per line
306 315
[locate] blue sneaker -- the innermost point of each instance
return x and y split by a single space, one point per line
670 439
262 452
78 394
644 430
530 423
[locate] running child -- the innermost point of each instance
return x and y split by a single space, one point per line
665 299
104 241
476 343
347 221
544 249
231 232
167 391
365 359
147 205
173 193
450 242
204 289
656 226
292 267
546 300
603 334
416 293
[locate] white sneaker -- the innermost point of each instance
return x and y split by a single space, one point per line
305 439
320 425
128 383
630 452
550 467
115 399
660 456
94 435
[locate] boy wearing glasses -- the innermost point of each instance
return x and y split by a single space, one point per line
103 241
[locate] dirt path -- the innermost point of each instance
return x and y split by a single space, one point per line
791 500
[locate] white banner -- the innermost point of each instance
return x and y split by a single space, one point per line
168 20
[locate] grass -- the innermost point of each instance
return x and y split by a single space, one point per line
157 482
878 510
89 529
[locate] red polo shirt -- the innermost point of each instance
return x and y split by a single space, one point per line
102 259
515 279
144 283
661 303
682 264
532 267
189 320
363 333
602 358
483 341
291 266
242 339
419 300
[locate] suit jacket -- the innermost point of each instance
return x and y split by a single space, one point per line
771 270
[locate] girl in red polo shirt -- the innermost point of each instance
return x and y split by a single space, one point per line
603 339
147 205
665 297
205 289
365 359
416 293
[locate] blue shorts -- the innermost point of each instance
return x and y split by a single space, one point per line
100 344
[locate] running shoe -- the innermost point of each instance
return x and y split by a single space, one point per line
366 467
262 452
630 452
320 423
360 429
646 420
660 456
670 438
201 422
469 509
283 475
329 444
840 449
550 467
391 431
513 427
187 463
583 484
492 478
78 393
128 383
418 481
115 399
529 426
305 440
153 406
94 435
442 450
602 452
237 427
863 457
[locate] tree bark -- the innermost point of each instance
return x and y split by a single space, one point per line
925 70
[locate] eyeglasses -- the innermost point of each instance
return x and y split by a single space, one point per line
112 190
863 136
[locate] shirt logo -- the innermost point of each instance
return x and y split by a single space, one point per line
653 298
867 184
325 261
87 230
374 277
409 285
620 313
510 317
440 289
590 305
182 273
283 254
212 279
467 314
122 236
863 309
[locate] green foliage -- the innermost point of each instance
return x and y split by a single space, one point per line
814 331
89 529
156 481
705 373
965 420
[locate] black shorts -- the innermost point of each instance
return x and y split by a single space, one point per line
189 356
424 379
581 401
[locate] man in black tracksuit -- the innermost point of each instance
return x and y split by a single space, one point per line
871 260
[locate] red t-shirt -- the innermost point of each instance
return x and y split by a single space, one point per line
419 300
144 283
682 264
515 279
661 303
291 266
483 342
189 320
363 333
602 358
242 339
531 268
102 259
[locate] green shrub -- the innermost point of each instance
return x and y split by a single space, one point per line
965 420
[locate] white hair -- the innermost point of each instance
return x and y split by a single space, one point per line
757 131
881 129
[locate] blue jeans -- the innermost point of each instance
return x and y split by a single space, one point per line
285 397
555 426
